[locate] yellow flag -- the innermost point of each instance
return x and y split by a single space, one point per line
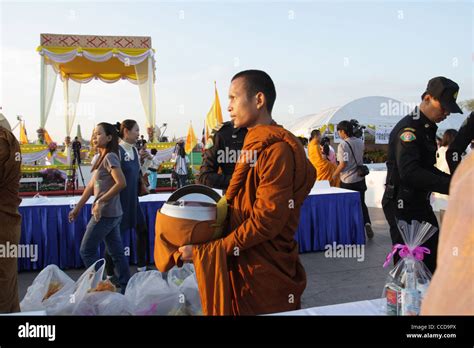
191 140
23 137
214 116
47 137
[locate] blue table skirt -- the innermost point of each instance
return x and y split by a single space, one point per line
324 219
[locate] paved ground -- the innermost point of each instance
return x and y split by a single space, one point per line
330 280
339 280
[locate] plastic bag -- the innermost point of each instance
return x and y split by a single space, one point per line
183 279
50 285
177 275
67 302
103 303
150 294
408 281
189 288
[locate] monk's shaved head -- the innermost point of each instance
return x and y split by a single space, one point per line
258 81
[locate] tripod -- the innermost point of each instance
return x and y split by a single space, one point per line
76 159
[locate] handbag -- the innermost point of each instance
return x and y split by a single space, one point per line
362 169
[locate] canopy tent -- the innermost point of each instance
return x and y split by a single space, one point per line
79 59
373 112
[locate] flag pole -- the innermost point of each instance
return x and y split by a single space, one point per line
191 151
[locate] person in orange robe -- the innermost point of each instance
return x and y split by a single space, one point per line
324 168
451 291
271 180
10 229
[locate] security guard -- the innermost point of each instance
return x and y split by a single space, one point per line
411 175
222 151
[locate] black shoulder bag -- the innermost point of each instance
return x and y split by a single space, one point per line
362 169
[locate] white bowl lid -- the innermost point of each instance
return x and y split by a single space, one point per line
192 210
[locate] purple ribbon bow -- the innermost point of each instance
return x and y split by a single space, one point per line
417 253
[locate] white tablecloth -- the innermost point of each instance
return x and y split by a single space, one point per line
156 197
372 307
376 186
32 313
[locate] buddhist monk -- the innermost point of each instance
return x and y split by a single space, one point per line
10 227
270 182
324 168
451 291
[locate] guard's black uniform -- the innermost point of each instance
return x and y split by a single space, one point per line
224 146
460 142
411 177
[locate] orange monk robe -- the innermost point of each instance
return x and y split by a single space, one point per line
265 272
10 219
324 168
451 291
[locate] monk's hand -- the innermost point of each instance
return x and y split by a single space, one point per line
186 253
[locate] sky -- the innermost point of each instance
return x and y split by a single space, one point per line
320 54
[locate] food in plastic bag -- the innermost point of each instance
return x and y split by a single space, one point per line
105 285
103 302
393 295
177 275
50 284
150 294
53 288
189 288
409 279
185 282
65 302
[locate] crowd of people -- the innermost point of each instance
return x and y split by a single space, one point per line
262 223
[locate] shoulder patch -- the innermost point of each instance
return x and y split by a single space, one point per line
409 129
407 136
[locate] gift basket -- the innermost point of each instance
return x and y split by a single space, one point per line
408 281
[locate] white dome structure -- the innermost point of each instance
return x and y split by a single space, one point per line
369 111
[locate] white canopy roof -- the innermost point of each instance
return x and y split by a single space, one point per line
374 111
